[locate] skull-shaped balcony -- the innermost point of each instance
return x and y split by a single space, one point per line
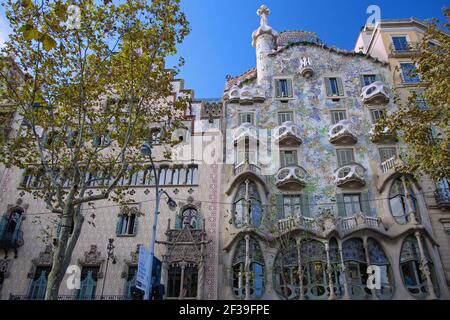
375 93
342 132
291 177
350 176
246 95
288 134
245 131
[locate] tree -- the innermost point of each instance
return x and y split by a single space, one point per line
423 120
96 80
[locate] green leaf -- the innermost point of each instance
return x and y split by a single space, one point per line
30 32
48 42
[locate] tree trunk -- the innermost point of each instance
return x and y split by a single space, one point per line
63 251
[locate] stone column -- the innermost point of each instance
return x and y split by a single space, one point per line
330 277
183 266
300 270
424 267
366 252
411 213
341 255
247 270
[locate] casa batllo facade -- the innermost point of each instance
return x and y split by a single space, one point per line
282 193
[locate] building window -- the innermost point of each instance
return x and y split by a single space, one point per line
130 282
190 281
400 43
338 115
285 116
155 135
256 269
285 274
378 258
345 157
352 203
283 88
39 283
246 117
410 265
409 72
127 225
88 286
420 100
356 267
400 204
288 157
387 153
368 79
253 205
334 87
189 216
162 175
314 261
292 206
102 140
10 234
192 175
377 114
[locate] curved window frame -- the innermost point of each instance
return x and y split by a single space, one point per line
413 263
386 274
257 268
255 207
356 285
192 214
402 204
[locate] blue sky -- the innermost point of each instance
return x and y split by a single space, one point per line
220 41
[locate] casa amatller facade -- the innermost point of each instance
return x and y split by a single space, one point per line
282 191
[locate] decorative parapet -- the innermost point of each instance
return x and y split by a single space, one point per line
245 95
350 175
288 133
342 132
375 93
291 177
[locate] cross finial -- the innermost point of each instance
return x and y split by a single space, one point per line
263 12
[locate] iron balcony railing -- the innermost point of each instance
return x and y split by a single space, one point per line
408 48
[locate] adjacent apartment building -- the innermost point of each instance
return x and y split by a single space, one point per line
282 192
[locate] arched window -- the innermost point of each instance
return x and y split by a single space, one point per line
399 203
413 277
378 257
314 261
286 276
256 270
191 217
253 205
356 268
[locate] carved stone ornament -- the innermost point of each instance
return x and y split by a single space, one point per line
45 259
92 258
132 262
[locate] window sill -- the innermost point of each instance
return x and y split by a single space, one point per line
125 235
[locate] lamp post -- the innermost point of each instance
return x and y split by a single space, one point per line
110 256
146 150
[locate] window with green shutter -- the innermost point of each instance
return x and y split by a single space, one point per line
345 156
292 205
39 283
283 88
352 204
338 115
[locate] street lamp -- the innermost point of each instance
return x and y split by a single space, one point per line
146 150
110 256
